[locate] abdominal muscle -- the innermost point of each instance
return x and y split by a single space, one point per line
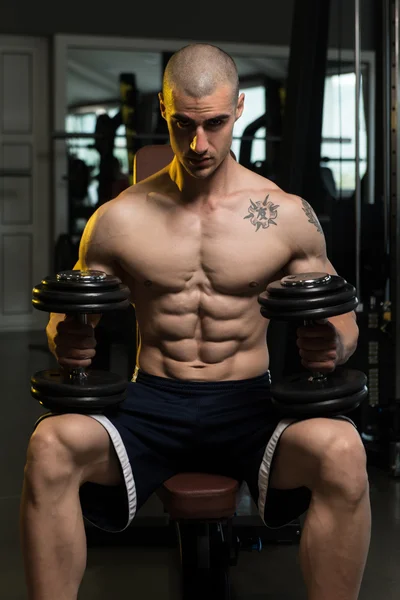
202 336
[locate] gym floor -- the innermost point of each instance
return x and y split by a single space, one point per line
150 571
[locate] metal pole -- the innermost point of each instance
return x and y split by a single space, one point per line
395 233
300 149
386 61
66 135
357 56
394 190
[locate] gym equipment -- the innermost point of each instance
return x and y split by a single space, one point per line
391 146
202 506
105 132
79 293
309 297
129 115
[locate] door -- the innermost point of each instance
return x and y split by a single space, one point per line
24 179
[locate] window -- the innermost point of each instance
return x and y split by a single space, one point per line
339 122
83 148
254 107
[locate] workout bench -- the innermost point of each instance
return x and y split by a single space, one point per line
201 505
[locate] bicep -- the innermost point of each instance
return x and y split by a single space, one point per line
308 245
94 251
309 256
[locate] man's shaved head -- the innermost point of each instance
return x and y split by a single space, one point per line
200 102
198 70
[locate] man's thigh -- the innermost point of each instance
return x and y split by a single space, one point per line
281 472
301 448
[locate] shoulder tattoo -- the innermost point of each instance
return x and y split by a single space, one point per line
262 213
311 216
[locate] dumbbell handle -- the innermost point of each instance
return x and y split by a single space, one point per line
82 318
78 375
316 376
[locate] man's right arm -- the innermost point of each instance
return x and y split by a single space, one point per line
94 253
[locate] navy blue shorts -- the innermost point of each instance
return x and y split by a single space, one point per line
167 426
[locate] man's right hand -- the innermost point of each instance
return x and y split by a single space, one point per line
74 343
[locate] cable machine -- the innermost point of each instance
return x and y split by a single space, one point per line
390 36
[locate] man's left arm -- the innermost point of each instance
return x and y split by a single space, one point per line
325 345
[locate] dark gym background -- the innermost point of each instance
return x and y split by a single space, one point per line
143 562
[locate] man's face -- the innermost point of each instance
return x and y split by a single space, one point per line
200 129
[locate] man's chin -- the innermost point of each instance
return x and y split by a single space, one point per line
198 171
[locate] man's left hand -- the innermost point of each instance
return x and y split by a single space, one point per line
320 346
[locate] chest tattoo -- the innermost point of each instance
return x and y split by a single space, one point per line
262 214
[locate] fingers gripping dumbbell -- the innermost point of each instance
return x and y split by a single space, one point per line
309 297
79 293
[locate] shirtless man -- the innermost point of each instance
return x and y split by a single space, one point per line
196 251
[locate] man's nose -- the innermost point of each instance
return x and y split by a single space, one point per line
199 143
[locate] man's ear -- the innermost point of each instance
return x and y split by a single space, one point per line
239 106
162 104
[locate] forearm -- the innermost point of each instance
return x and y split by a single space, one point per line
347 329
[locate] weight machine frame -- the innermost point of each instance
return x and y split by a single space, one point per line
391 194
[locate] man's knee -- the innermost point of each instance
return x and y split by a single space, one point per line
324 455
342 463
62 447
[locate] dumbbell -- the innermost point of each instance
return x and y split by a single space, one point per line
309 297
79 293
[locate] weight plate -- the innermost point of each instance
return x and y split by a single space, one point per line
277 289
303 389
306 279
77 280
97 384
91 297
80 292
310 314
280 305
83 405
79 308
326 408
82 275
